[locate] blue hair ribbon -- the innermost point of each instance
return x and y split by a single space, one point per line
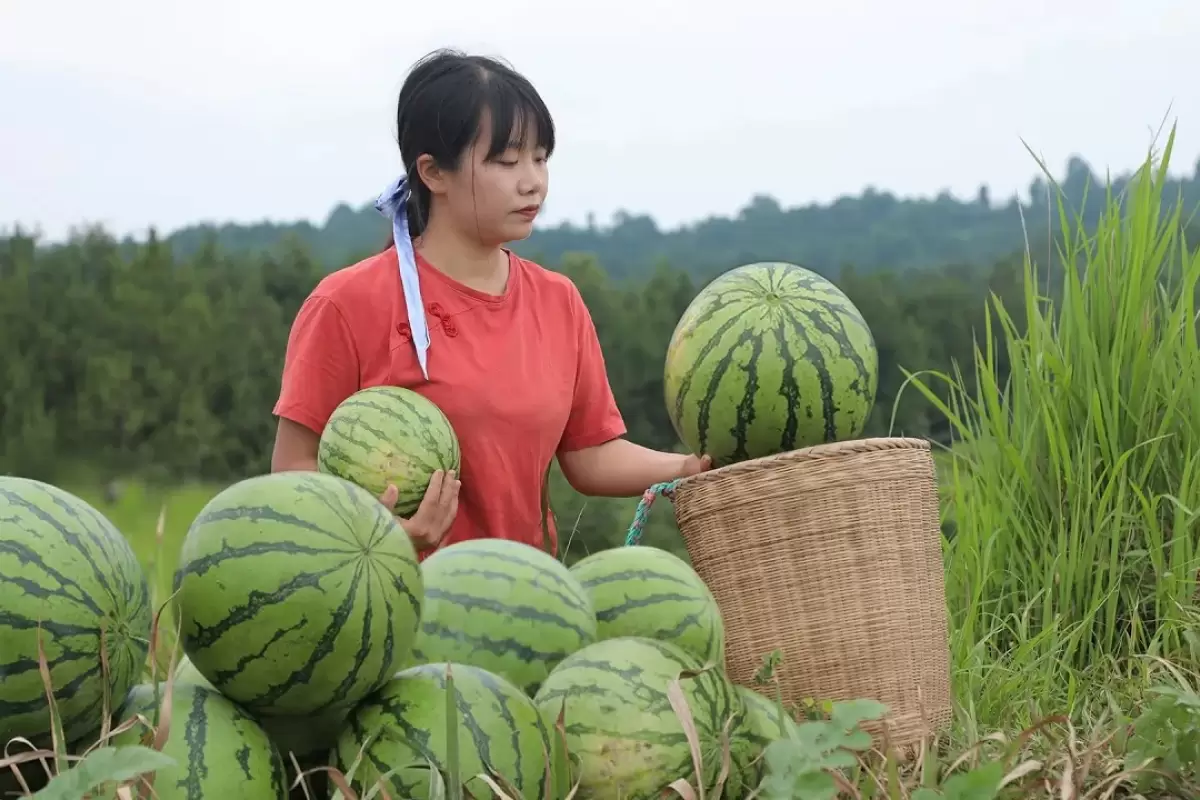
392 203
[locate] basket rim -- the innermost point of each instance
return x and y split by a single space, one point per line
816 452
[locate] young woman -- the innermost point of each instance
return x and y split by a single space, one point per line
504 347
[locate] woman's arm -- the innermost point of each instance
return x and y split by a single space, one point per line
594 458
320 370
295 447
620 468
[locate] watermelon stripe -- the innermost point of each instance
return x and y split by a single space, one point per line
312 627
647 592
67 570
219 750
300 677
501 646
478 557
502 606
670 632
387 432
206 636
72 539
349 432
769 358
407 721
265 514
620 722
510 610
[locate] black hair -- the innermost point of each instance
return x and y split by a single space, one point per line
442 106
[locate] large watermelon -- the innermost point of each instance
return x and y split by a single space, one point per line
645 591
403 727
768 358
219 750
65 568
502 606
297 592
388 434
620 723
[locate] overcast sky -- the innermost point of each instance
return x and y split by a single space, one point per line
159 112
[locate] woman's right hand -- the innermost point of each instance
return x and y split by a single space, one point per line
428 526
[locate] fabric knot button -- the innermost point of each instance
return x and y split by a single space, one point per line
436 310
404 331
449 327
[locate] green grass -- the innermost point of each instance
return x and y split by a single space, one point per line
1074 488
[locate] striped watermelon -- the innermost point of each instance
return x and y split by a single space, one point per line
766 722
404 723
219 750
769 358
297 592
502 606
645 591
620 723
387 434
65 568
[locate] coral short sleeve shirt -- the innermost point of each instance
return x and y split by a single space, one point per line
520 376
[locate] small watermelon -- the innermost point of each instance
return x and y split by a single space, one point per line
403 727
620 723
297 593
766 722
388 434
769 358
645 591
219 750
502 606
70 579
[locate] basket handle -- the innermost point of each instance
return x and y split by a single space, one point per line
642 513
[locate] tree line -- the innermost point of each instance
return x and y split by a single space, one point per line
146 363
874 230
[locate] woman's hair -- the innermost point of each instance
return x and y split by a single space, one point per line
442 106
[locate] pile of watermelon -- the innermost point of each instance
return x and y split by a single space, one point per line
309 629
312 634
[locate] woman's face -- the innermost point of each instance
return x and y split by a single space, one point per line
496 201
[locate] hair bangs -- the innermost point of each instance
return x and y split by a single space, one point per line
518 115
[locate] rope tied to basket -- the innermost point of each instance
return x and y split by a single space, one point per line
642 514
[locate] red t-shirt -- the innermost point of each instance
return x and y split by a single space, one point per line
520 376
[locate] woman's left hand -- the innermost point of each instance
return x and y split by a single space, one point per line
693 465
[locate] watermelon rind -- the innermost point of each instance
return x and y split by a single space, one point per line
186 672
67 574
763 726
502 606
646 591
403 729
219 750
621 725
389 435
768 358
297 592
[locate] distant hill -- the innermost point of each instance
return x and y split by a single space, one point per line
874 230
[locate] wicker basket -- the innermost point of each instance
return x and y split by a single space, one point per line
831 554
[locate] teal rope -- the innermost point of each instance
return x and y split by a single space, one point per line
642 514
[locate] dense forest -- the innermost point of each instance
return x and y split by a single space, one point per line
161 358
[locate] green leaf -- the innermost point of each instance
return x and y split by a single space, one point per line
101 766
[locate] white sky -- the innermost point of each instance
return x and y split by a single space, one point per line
141 112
